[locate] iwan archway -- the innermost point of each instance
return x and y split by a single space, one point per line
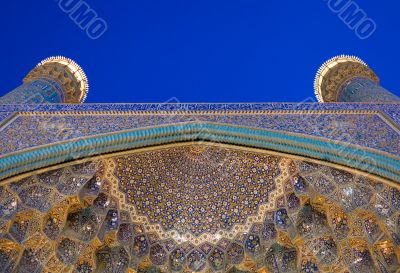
181 187
199 206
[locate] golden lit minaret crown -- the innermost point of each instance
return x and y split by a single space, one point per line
67 73
336 72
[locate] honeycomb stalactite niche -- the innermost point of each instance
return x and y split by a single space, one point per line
199 208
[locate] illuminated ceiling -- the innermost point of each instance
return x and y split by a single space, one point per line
199 207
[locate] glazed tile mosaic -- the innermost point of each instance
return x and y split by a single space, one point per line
353 132
199 207
360 128
197 190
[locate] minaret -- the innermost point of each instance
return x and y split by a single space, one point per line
349 79
54 80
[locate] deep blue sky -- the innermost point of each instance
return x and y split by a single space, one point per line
198 51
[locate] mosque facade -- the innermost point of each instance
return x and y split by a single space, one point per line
200 187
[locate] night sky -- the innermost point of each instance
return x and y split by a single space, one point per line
198 51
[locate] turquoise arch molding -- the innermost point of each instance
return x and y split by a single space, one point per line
371 161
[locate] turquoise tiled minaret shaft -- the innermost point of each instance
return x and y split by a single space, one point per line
364 90
54 80
35 92
349 79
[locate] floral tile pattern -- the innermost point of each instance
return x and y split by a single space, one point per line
110 215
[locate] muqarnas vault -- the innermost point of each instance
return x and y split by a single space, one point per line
161 187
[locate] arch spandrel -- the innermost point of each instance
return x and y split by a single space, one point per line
182 208
374 161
